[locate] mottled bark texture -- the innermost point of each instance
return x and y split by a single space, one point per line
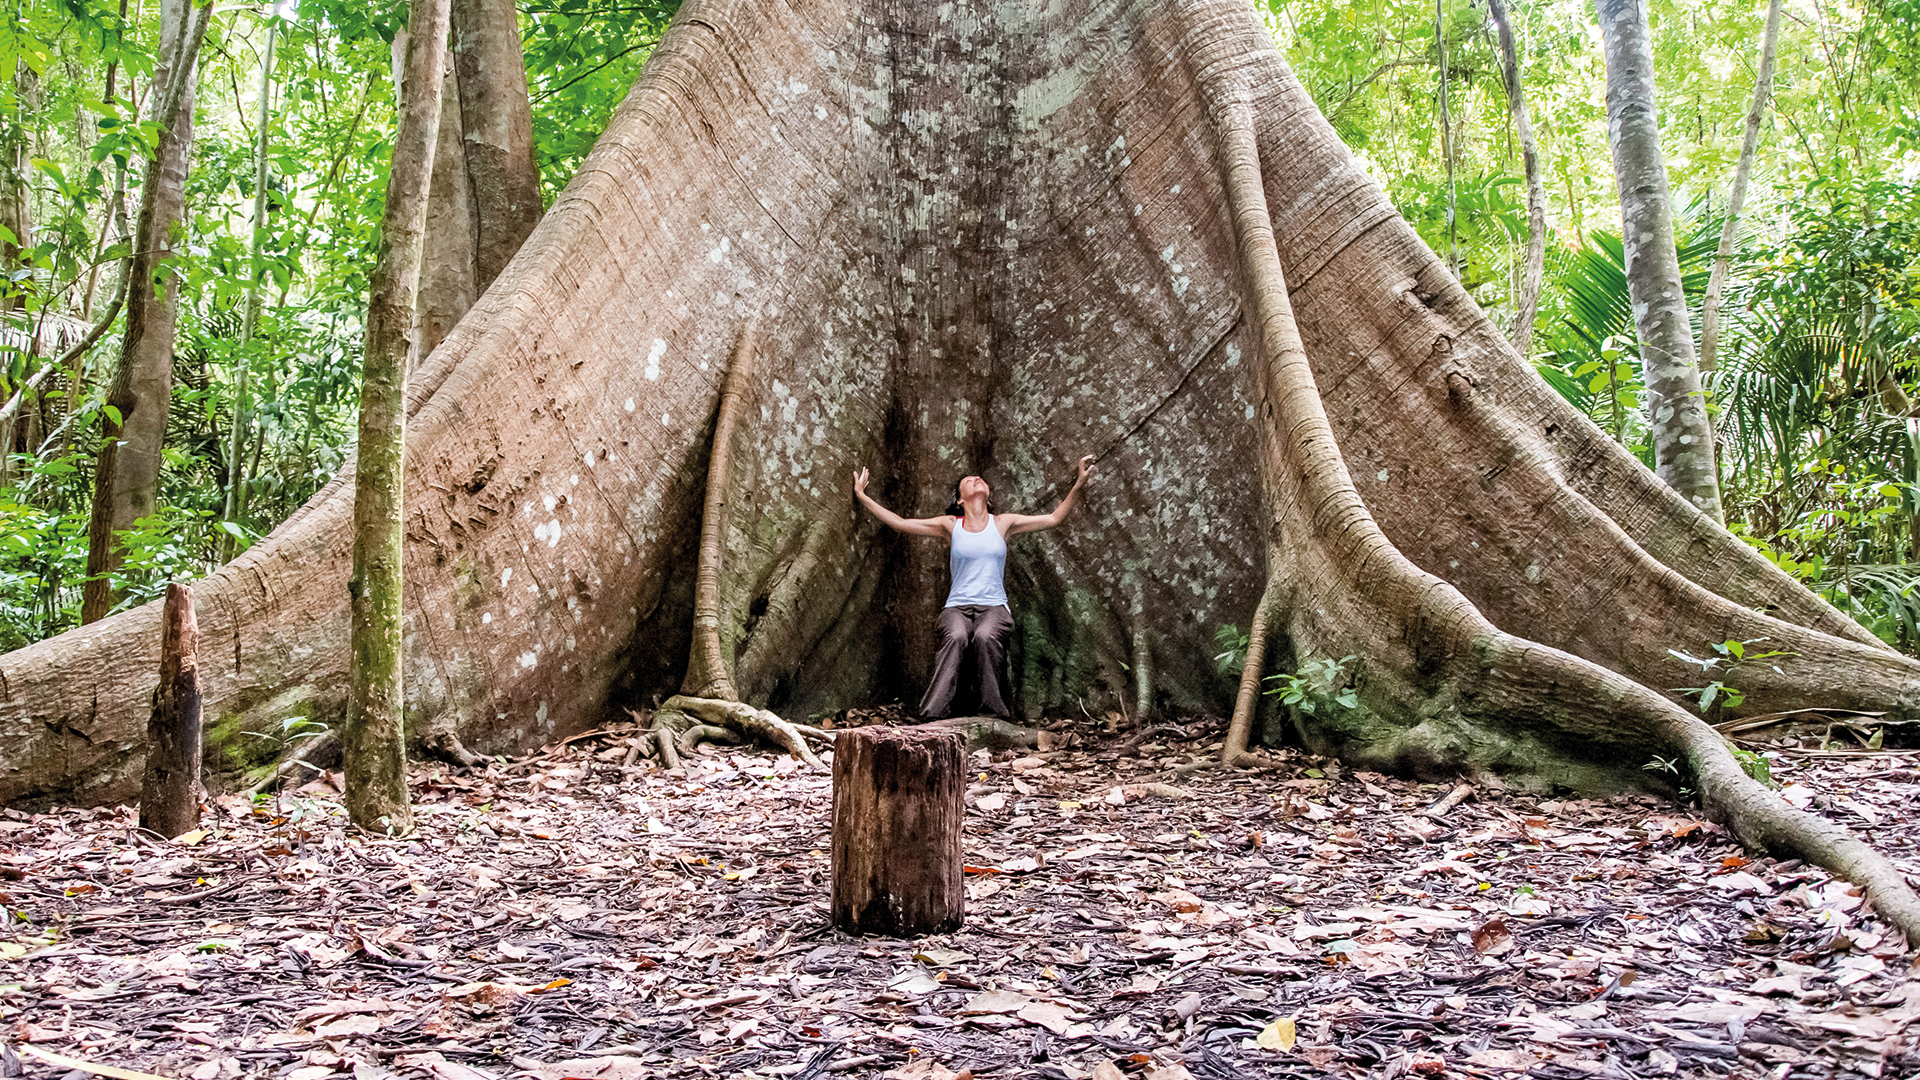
897 811
1737 198
991 239
170 787
1527 301
374 744
126 477
1682 432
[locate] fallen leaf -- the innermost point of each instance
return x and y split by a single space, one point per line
1493 938
1278 1035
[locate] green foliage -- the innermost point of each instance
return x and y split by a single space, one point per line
1320 688
1232 642
1728 655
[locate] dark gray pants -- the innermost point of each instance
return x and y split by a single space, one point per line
975 636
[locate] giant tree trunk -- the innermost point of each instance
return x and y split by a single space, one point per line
374 744
992 242
1527 303
1682 433
1736 199
126 479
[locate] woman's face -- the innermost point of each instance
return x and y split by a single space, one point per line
971 486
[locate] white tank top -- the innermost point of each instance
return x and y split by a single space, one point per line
978 563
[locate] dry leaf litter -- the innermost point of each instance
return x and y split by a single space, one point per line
585 914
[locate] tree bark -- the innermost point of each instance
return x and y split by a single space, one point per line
236 501
16 204
707 665
946 283
126 479
1682 433
170 791
375 742
1527 302
897 812
486 188
1737 198
1431 655
447 275
496 131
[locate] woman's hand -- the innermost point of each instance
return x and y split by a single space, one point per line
910 526
1086 468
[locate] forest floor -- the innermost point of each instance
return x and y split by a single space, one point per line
569 915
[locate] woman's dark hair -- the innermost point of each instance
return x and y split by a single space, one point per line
954 509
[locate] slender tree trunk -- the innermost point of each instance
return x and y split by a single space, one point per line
236 505
1736 199
1527 299
126 483
375 742
1682 434
1446 137
16 208
496 127
1246 702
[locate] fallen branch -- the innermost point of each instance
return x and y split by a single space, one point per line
1460 793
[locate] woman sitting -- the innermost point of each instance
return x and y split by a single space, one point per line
976 619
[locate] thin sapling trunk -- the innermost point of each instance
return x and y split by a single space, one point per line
1737 198
375 744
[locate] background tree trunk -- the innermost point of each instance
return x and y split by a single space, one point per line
16 204
486 189
448 285
126 479
1682 433
946 282
374 745
236 502
496 131
1527 302
1736 199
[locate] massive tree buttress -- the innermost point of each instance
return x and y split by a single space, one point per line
992 237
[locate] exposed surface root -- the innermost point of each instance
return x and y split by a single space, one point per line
447 747
707 675
1442 686
991 733
746 720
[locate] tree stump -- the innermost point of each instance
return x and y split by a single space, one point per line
897 811
170 792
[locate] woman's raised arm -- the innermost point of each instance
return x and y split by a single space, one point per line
1024 523
911 526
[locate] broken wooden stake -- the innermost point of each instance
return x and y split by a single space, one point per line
170 792
897 810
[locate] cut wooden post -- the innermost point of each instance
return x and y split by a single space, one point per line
170 794
897 811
